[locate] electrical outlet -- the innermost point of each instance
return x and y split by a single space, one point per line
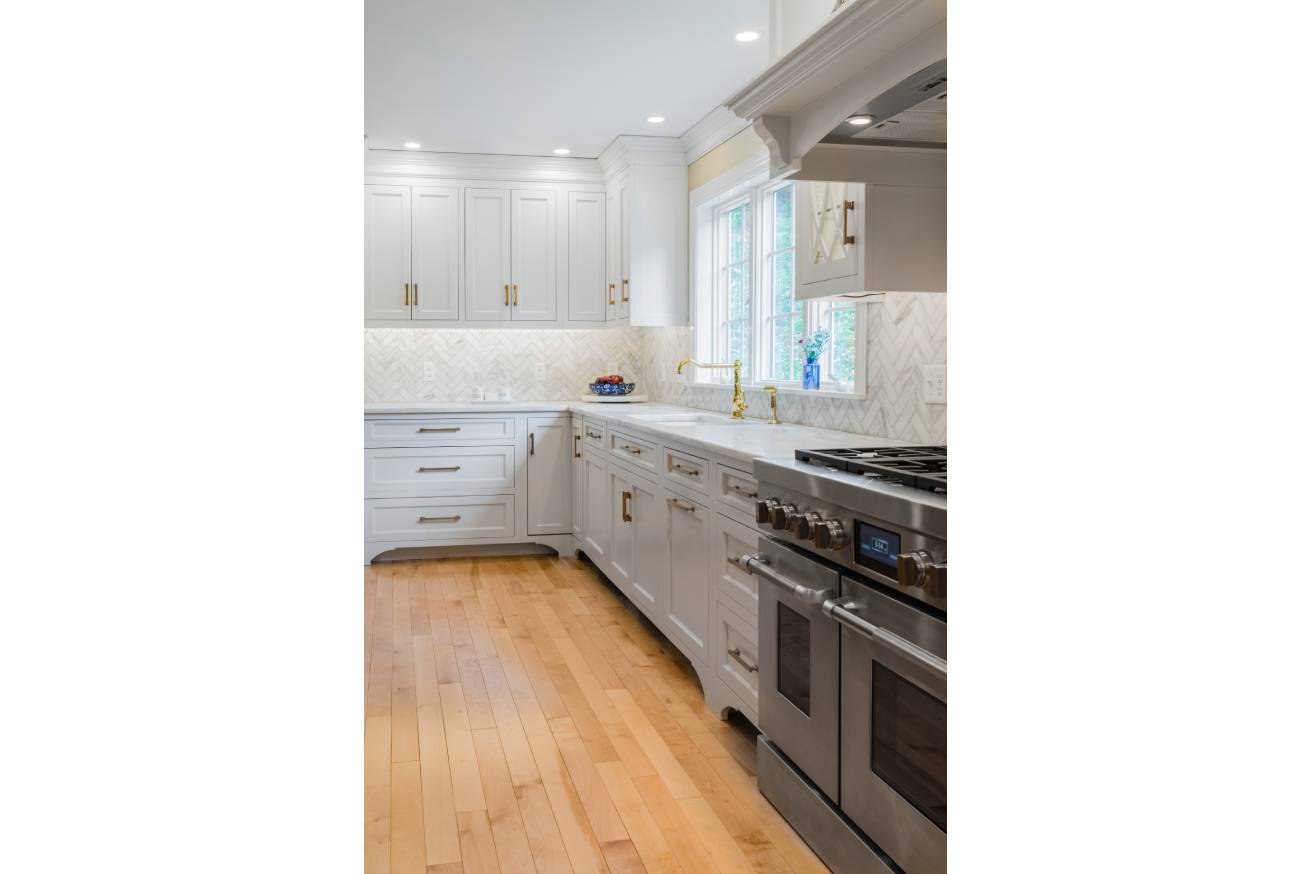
539 371
429 371
934 383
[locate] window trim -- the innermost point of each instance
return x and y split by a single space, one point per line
751 180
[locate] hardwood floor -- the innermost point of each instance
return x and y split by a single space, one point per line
519 718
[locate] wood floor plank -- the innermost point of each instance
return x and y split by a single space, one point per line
580 842
379 676
642 828
408 855
727 856
377 828
677 831
404 706
476 845
657 751
604 819
440 827
744 789
622 857
377 751
465 778
512 848
738 821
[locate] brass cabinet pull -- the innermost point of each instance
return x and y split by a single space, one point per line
686 508
735 652
532 444
507 294
406 294
576 439
437 430
625 297
631 450
438 469
439 518
737 488
593 435
416 294
689 471
611 294
627 514
516 295
848 207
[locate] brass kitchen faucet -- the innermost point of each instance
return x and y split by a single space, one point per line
738 396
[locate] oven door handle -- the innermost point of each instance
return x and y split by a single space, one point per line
756 564
928 669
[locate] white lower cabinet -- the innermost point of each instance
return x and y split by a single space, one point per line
439 520
550 487
737 654
639 541
575 469
687 611
596 500
732 540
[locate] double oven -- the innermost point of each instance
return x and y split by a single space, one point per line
853 666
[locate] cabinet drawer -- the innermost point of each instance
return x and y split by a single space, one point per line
438 470
440 519
634 450
437 430
593 434
737 490
681 468
737 655
732 540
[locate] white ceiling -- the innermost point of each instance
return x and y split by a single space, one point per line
524 77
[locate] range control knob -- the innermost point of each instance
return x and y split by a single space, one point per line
781 516
829 535
806 524
912 568
764 510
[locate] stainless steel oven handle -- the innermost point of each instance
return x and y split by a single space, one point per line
755 564
842 612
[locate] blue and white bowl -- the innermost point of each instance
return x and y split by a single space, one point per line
605 388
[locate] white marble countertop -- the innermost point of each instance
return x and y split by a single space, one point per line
744 440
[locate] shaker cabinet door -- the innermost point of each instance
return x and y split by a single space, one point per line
386 252
487 254
533 251
434 294
550 485
587 281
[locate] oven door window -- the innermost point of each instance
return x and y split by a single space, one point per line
794 657
909 743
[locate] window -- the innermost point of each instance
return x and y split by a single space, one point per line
746 306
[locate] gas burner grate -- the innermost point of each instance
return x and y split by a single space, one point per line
920 467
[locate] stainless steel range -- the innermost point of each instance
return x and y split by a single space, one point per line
853 653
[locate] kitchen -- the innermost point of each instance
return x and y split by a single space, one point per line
640 333
680 381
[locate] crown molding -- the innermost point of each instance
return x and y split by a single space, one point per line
638 151
716 128
850 40
456 165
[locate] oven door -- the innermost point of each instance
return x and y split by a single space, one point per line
893 711
799 660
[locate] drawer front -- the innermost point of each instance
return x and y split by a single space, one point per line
684 469
732 540
634 450
737 654
438 470
440 520
737 491
437 430
593 434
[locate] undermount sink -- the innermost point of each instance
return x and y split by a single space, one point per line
686 419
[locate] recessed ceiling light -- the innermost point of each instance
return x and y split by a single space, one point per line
748 36
655 119
859 120
413 145
561 151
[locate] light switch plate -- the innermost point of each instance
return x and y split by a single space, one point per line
429 371
539 371
934 383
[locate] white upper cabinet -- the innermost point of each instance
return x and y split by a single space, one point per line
434 291
646 179
487 254
587 277
533 249
386 252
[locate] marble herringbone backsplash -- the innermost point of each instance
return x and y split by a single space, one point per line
906 331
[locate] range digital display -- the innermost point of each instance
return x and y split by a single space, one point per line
876 548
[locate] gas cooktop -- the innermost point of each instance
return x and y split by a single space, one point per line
920 467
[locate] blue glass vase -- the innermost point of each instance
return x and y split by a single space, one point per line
810 374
